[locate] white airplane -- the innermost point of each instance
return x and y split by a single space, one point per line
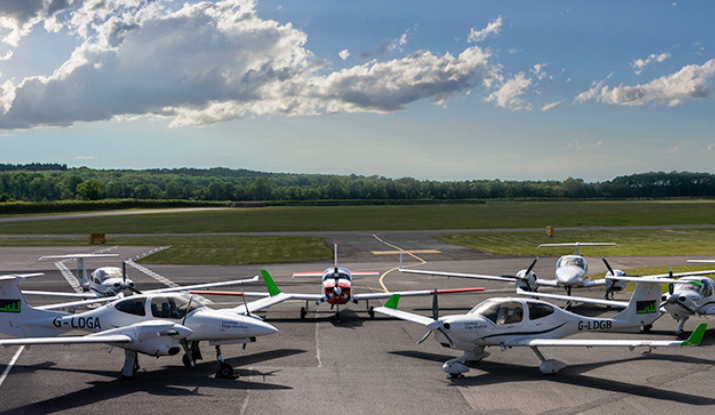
152 324
690 294
571 271
104 282
335 296
519 322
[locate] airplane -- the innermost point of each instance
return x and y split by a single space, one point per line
153 324
521 322
335 294
105 281
570 272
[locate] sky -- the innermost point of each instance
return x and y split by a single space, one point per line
449 90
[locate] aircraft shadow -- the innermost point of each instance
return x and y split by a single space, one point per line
175 380
573 374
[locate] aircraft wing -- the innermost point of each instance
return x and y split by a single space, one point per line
589 300
594 283
694 340
59 294
457 275
307 274
547 283
372 296
200 286
78 303
94 338
655 279
390 309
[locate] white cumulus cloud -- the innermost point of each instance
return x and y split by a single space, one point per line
639 64
492 29
691 82
205 63
344 54
509 93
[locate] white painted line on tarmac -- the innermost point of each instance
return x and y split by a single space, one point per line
11 364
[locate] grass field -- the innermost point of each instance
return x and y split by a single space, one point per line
374 218
208 250
632 242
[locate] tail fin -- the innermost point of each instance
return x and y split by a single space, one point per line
18 319
270 284
643 307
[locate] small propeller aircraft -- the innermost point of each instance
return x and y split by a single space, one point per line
156 324
518 322
571 271
104 282
337 290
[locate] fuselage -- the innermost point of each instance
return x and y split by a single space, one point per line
204 323
108 281
571 270
698 296
339 284
496 321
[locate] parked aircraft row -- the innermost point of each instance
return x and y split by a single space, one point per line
163 323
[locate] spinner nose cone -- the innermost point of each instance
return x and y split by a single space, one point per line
260 328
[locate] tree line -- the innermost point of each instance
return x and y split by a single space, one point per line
53 182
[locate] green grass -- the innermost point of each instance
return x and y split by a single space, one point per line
641 242
207 250
346 218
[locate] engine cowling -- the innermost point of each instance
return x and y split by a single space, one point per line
526 282
615 285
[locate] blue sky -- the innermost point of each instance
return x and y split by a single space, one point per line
453 90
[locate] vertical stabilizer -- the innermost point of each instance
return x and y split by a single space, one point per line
18 319
643 308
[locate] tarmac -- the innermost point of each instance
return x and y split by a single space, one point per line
358 365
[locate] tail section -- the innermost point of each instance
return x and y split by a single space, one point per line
643 307
18 319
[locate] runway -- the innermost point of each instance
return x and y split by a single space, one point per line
360 365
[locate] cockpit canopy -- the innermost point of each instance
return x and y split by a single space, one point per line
703 286
101 274
162 306
511 312
572 261
329 274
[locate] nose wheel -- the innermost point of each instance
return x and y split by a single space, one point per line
225 370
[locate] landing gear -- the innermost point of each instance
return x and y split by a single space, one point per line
131 364
225 370
679 331
646 328
457 366
192 353
548 366
371 312
303 312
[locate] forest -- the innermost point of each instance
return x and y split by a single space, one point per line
39 182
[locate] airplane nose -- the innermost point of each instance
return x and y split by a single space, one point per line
261 328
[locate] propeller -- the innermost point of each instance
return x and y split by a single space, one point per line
613 273
188 307
437 323
670 286
129 286
525 278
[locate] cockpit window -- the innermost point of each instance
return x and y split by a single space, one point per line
132 306
509 312
539 310
571 261
172 307
331 276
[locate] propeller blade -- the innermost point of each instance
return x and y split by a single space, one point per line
528 270
424 337
134 290
188 307
608 266
435 306
124 271
449 339
670 286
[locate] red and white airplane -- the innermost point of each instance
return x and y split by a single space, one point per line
337 289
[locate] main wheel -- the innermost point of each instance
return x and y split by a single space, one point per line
186 360
225 371
371 312
303 312
646 328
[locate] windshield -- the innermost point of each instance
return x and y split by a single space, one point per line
172 307
571 261
507 312
332 275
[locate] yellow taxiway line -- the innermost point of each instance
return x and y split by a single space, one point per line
410 253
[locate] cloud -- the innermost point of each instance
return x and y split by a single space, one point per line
19 16
386 47
7 56
710 147
509 93
639 64
344 54
206 63
688 83
551 106
492 29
